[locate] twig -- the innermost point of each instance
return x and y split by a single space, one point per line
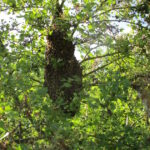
36 80
101 67
106 55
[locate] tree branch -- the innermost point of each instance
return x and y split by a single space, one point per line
36 80
106 55
119 20
9 133
101 67
116 8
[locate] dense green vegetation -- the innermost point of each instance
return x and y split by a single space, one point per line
98 110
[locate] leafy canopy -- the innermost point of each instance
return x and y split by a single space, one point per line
111 114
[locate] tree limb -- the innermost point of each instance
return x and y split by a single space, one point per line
91 58
36 80
101 67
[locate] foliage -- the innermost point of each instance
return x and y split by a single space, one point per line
111 114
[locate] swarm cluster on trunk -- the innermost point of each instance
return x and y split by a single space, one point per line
63 74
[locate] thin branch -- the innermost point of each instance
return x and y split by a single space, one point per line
90 50
119 20
75 28
36 80
5 8
6 135
29 139
115 8
101 67
106 55
112 9
9 133
95 84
